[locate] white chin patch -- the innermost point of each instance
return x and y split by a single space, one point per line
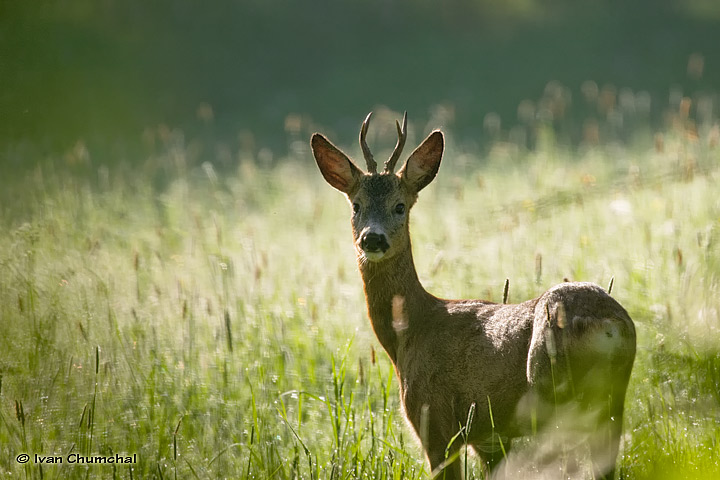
373 256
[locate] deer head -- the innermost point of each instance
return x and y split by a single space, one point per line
380 201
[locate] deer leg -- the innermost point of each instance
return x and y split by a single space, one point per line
439 441
604 441
491 454
440 453
605 444
444 468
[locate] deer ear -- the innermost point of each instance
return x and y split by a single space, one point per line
423 164
337 169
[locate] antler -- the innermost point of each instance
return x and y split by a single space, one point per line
402 136
371 163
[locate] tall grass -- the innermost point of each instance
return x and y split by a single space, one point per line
214 324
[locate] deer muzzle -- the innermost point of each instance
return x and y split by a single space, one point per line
374 244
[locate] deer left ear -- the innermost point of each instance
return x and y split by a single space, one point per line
423 164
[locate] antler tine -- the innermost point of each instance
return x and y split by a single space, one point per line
371 163
402 136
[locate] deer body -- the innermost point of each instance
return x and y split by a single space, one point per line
515 366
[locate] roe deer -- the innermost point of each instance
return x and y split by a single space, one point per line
511 369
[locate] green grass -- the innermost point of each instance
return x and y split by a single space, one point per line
214 323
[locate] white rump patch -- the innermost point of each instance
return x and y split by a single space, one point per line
604 337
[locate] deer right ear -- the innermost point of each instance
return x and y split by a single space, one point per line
337 169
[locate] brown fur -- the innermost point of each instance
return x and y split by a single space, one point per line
569 350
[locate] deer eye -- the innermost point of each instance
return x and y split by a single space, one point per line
356 208
400 208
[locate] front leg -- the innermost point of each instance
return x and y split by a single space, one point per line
441 458
439 440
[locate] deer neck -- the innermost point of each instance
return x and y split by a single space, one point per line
394 297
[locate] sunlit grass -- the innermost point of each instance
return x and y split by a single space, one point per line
215 325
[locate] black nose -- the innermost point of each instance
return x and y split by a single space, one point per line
374 242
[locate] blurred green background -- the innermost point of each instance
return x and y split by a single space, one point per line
104 72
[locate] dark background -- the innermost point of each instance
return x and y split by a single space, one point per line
105 72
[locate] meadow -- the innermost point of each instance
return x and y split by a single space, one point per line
212 321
